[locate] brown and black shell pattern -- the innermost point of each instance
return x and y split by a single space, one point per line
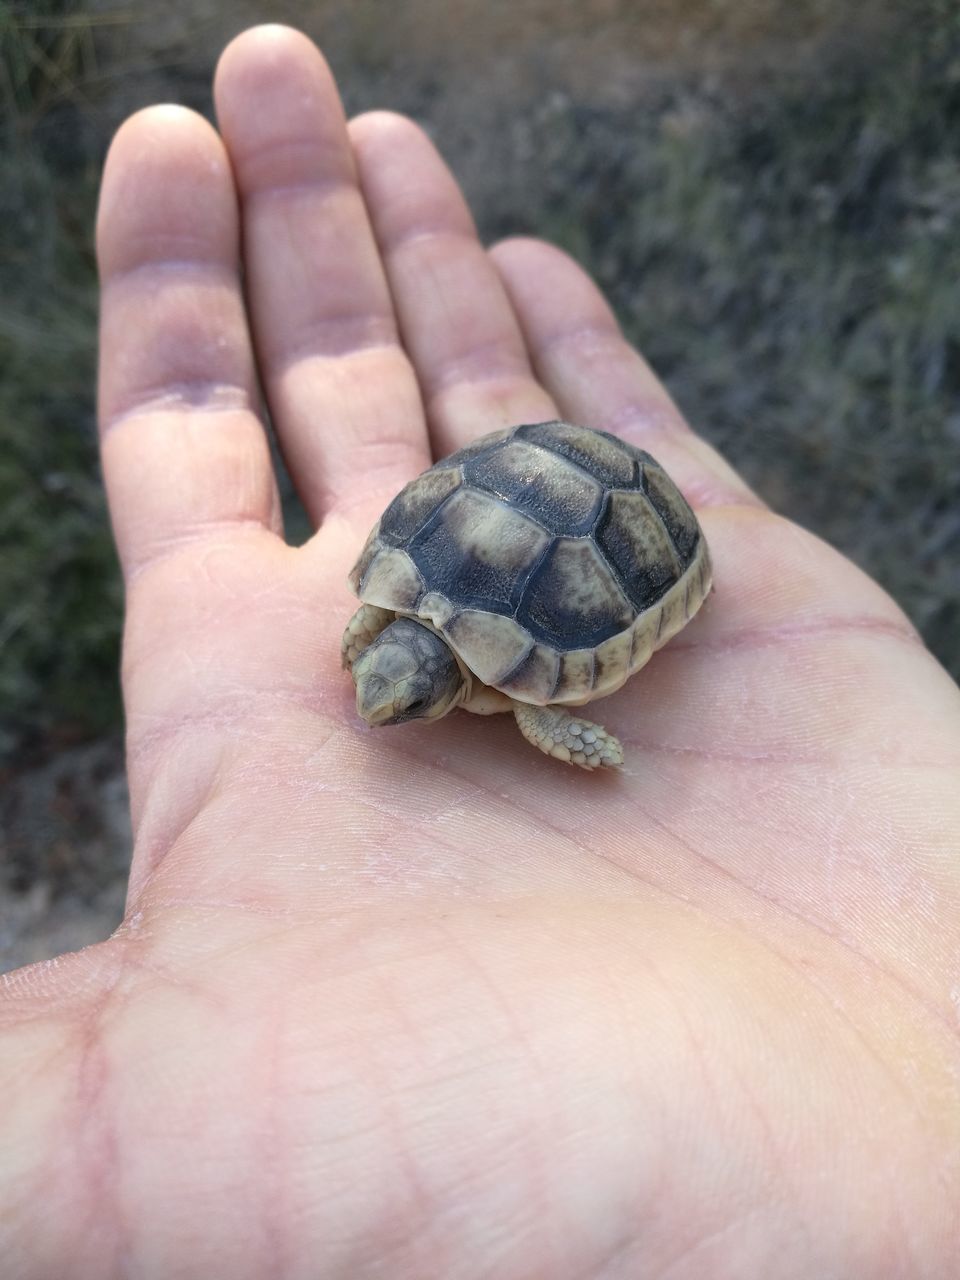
553 558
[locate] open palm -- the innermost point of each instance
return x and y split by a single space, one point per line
420 1002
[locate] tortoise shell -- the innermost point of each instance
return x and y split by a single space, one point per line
554 559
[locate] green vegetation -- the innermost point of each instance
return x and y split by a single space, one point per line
784 248
787 258
59 591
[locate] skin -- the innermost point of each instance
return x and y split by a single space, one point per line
407 673
430 1004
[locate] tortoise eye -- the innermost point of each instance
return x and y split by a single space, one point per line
414 707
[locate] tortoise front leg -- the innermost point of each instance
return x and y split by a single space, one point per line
569 737
362 629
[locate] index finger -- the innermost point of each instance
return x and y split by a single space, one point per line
184 451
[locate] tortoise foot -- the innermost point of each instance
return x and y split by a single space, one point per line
568 737
362 629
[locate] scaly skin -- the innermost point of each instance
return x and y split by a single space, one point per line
428 1004
361 631
569 737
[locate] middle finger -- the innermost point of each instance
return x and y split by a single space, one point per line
342 393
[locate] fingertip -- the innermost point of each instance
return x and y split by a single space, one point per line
165 162
154 132
408 187
542 276
531 250
510 245
259 48
381 127
279 109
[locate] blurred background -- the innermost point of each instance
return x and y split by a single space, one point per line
769 191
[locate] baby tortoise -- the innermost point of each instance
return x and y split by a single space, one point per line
532 571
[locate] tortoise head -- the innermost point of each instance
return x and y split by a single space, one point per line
407 673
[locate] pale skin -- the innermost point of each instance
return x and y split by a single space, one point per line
424 1003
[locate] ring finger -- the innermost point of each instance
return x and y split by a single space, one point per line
455 317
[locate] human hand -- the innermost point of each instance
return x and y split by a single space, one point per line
420 1002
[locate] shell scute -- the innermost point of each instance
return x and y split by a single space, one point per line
609 460
416 503
636 543
543 485
577 674
535 677
491 644
672 508
573 601
482 445
478 551
612 663
392 580
364 560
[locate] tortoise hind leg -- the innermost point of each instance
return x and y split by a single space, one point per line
568 737
362 629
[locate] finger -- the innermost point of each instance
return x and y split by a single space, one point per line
596 377
456 319
342 394
184 452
